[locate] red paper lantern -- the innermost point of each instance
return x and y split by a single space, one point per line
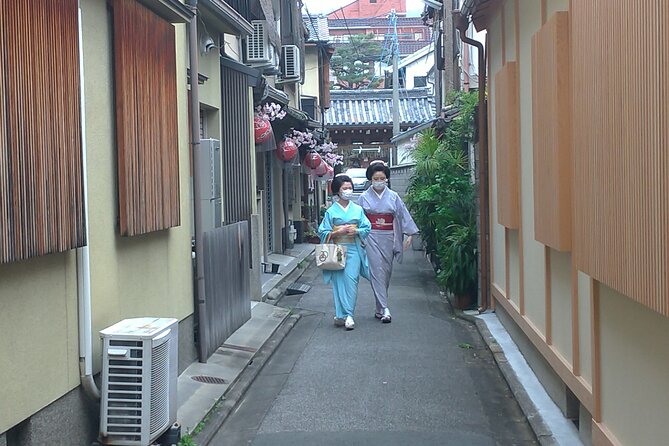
330 173
313 160
262 129
321 169
286 150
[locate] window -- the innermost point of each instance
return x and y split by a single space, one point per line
372 1
309 107
420 81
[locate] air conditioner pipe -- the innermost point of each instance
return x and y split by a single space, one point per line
83 260
462 24
197 192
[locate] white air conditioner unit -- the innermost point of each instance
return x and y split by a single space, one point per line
259 50
139 380
290 62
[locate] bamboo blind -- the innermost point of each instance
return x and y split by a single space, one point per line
507 145
146 120
551 120
621 135
41 192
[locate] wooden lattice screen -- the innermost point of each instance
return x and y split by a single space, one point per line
146 119
41 191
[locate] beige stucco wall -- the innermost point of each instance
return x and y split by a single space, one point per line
561 303
497 231
635 361
39 341
310 86
584 326
553 6
139 276
533 252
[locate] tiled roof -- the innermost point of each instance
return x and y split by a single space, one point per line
374 22
407 47
358 108
317 26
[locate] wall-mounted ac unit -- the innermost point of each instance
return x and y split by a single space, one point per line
139 380
209 174
259 50
290 63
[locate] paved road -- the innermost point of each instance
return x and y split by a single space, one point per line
412 382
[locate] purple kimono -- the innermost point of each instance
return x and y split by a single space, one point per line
390 220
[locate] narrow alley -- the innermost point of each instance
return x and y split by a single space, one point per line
427 378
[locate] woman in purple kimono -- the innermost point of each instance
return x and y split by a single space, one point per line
390 220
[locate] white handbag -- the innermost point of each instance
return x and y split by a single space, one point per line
330 256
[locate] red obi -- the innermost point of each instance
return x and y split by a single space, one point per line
381 221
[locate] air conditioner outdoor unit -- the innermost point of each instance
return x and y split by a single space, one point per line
139 380
259 50
290 62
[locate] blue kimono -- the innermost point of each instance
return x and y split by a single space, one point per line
345 282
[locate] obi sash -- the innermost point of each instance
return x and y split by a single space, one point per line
383 222
347 238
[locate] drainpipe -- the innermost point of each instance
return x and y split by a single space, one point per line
462 24
83 260
193 51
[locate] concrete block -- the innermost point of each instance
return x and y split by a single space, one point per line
187 345
73 419
256 257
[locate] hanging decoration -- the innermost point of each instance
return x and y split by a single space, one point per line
313 160
262 129
286 150
264 115
327 151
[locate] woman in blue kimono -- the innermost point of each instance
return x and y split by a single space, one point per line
346 223
390 221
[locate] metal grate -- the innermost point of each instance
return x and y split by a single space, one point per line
124 393
206 379
160 391
298 288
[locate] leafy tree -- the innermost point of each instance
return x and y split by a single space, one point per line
353 63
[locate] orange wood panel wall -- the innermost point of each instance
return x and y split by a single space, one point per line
507 145
551 121
620 58
41 182
146 119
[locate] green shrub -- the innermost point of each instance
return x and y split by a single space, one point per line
442 200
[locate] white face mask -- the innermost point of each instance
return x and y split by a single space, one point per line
378 185
346 194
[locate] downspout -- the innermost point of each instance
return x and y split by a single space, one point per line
83 260
462 24
197 192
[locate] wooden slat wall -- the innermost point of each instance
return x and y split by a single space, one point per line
551 120
228 292
41 191
146 120
236 146
621 135
507 125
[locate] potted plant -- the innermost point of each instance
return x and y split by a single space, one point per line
311 236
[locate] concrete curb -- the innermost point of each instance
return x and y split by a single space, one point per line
537 423
536 420
217 416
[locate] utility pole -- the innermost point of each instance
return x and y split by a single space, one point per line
396 86
396 94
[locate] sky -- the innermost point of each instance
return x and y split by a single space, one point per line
414 7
